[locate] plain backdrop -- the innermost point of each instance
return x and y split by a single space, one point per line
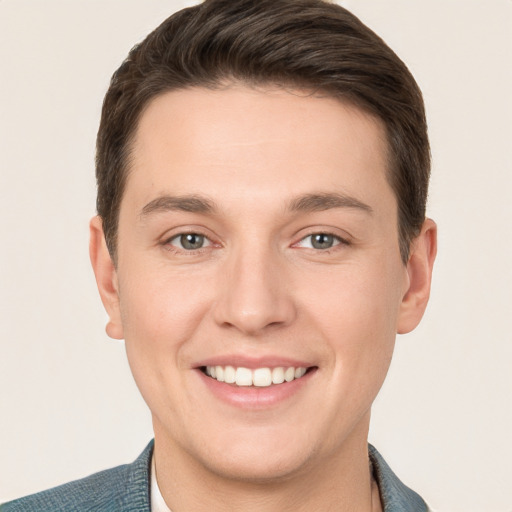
68 405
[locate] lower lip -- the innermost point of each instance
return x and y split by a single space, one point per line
254 397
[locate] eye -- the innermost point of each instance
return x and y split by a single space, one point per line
189 241
320 241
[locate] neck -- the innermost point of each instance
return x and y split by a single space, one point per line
332 483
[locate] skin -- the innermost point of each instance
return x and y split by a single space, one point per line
259 288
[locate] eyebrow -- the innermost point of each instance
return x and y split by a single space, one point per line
188 203
327 201
306 203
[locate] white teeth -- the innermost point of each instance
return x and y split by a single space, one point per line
299 372
289 374
243 377
229 375
278 375
260 377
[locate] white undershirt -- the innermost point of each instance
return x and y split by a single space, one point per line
157 500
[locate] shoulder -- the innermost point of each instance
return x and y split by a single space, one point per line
395 495
124 488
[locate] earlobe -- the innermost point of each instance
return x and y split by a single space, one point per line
106 277
419 273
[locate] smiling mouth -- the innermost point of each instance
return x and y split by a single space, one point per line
258 377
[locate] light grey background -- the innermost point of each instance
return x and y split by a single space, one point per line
68 405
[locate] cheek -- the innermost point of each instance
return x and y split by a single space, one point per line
354 304
160 307
160 314
356 312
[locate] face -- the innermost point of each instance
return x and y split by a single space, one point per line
258 244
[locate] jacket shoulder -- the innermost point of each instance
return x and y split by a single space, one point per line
123 488
95 492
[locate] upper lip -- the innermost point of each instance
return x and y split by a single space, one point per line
239 360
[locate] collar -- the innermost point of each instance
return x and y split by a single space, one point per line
395 496
137 483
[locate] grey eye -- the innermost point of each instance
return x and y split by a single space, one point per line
191 241
323 241
320 241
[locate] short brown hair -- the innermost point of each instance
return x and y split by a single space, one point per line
307 44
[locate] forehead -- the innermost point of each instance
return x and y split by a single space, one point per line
234 142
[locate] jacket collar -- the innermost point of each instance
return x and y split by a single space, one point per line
395 496
136 497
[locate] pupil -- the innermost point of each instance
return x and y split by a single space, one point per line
322 241
192 241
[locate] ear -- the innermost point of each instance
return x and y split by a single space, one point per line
419 273
106 277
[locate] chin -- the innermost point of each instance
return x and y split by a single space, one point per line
262 468
259 456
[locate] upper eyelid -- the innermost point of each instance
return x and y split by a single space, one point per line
176 232
329 233
341 238
182 233
179 235
337 241
167 241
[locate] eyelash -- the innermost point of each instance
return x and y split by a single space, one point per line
167 243
339 241
190 252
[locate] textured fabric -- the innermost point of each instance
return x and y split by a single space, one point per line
395 496
127 489
121 489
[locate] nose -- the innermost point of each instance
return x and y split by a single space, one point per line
255 293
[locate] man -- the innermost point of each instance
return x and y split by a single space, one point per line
261 237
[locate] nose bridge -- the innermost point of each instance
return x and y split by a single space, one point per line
254 293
